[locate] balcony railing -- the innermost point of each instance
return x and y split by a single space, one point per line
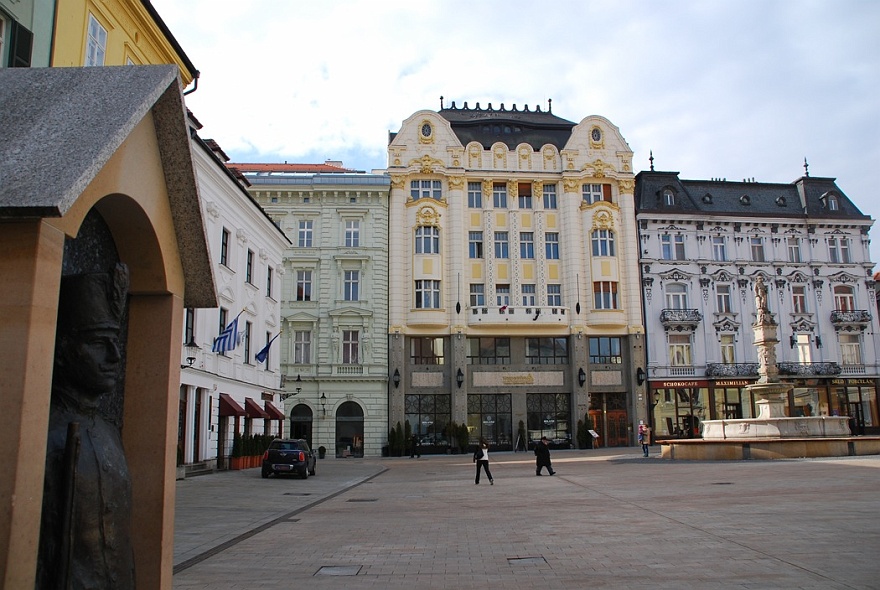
858 317
680 318
731 369
515 314
786 368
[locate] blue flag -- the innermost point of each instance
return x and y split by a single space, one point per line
264 354
228 338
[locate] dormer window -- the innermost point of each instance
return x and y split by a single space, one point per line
830 201
668 197
745 200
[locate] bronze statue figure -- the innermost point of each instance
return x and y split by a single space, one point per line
85 537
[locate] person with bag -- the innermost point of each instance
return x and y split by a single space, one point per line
481 458
542 456
644 437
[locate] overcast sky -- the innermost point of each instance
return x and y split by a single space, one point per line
722 88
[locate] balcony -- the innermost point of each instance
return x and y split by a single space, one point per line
732 370
680 319
857 318
809 369
506 315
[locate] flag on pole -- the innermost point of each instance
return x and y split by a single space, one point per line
264 354
228 338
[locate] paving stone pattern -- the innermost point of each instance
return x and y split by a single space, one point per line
608 519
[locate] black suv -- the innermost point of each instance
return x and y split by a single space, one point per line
289 455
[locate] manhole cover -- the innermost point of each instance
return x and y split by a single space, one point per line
525 560
339 570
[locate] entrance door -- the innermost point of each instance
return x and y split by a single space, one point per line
301 423
856 419
350 430
610 419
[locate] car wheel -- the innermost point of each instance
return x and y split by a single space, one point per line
312 470
304 473
264 473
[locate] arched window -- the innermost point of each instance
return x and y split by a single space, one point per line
603 242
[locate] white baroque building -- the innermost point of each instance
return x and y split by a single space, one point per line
703 244
221 394
334 354
513 278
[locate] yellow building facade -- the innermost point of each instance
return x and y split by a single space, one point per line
514 300
116 33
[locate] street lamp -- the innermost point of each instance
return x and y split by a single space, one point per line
323 404
191 349
396 378
582 377
640 376
459 378
299 388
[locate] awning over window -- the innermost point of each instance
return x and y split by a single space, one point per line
230 407
274 413
253 409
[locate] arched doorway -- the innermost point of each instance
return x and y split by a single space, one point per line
301 423
350 430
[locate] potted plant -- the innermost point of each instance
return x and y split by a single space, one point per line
235 460
322 452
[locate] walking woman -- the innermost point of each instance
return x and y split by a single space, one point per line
481 458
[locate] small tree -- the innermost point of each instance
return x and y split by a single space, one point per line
463 436
407 437
392 442
401 442
582 435
521 436
236 444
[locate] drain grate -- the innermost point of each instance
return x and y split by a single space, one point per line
339 570
363 500
296 494
722 483
526 560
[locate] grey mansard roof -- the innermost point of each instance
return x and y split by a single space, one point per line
806 197
509 126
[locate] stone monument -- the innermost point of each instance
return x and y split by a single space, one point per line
771 394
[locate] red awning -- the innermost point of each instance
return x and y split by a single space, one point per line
274 413
229 407
253 409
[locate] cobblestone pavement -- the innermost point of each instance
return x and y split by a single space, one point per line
608 519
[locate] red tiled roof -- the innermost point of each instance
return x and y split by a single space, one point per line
305 168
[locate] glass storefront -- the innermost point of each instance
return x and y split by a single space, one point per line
489 417
549 414
428 416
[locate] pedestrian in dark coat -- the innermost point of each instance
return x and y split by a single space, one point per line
542 456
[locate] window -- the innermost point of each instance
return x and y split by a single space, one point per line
668 197
838 250
799 298
554 295
426 351
672 247
757 246
305 234
502 295
96 44
478 295
676 296
350 351
603 242
475 195
526 244
831 201
719 248
351 285
525 200
266 348
551 245
850 349
189 327
844 299
549 193
501 246
605 350
488 351
303 285
499 195
547 351
680 350
224 313
804 350
224 247
427 294
593 193
475 244
528 295
249 268
605 295
248 327
723 299
427 240
302 347
429 416
352 233
794 250
728 350
269 272
425 189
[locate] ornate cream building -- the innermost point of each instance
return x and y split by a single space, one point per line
513 278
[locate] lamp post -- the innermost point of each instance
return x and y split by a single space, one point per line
396 378
459 378
582 377
323 404
298 382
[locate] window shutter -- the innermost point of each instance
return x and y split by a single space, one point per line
20 43
606 192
